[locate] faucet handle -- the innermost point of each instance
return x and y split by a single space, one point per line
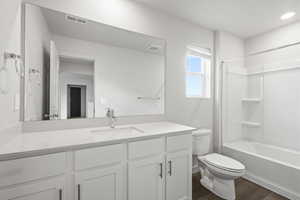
107 112
111 115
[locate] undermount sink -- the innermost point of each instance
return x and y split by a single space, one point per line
124 130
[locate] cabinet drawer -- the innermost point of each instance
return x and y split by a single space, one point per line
29 169
145 148
94 157
180 142
47 189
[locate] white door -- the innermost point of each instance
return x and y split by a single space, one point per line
178 176
98 184
41 190
54 82
146 179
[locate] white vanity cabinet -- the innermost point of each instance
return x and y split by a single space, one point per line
146 179
33 178
100 173
179 168
145 169
161 169
51 189
146 174
106 183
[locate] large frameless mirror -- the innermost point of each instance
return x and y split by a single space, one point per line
77 68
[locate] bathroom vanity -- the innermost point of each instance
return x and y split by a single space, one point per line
137 162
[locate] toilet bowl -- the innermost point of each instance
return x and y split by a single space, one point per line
218 172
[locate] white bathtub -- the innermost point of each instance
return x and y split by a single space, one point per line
275 168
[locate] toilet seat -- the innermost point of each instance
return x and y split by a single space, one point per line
223 163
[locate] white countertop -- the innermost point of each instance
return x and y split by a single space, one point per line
38 143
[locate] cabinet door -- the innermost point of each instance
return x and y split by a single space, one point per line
146 179
41 190
179 176
98 184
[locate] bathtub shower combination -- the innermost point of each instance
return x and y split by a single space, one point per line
261 123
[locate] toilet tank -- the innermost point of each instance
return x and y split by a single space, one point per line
202 141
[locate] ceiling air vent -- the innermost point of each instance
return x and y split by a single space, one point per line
76 19
154 47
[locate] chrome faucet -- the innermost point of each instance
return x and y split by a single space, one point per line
110 113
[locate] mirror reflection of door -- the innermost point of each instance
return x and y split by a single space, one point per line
76 101
54 82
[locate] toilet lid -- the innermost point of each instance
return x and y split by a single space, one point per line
223 162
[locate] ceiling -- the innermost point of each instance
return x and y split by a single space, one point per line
101 33
244 18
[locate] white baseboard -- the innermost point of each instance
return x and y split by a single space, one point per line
271 186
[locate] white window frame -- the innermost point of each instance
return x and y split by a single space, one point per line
206 59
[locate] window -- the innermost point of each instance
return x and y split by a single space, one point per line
198 73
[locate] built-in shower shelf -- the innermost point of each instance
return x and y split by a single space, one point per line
251 100
251 124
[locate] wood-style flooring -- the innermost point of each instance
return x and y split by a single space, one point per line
245 190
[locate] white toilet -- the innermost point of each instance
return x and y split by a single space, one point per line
218 172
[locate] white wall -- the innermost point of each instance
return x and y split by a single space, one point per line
231 47
281 106
73 74
84 67
37 55
285 35
179 34
10 20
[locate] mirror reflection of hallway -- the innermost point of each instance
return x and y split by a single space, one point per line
78 74
76 101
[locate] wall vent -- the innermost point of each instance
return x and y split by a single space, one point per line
76 19
154 47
